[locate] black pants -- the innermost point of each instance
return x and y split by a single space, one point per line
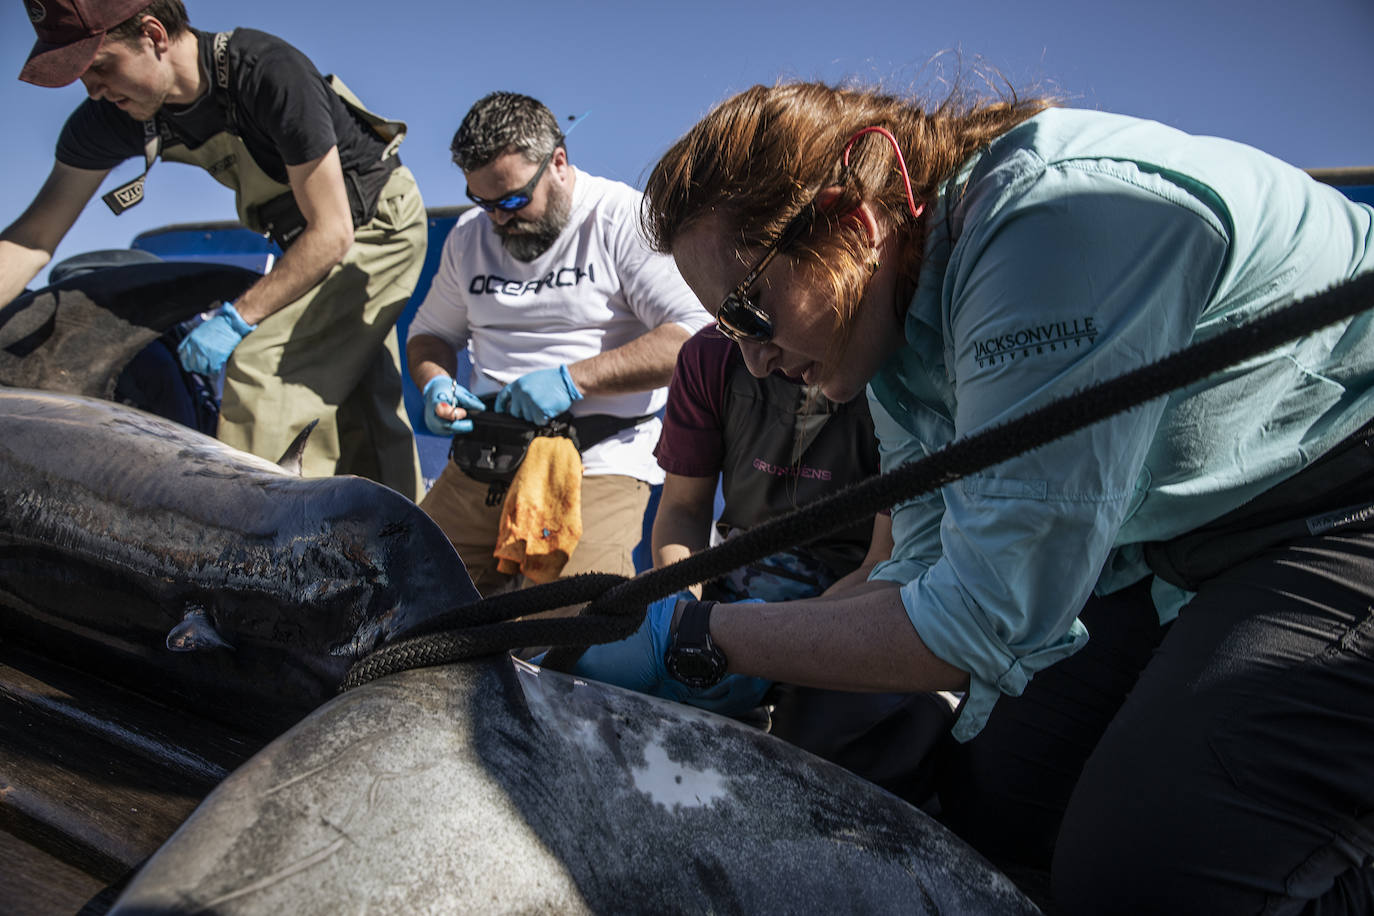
1235 774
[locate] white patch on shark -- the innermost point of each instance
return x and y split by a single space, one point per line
667 782
673 785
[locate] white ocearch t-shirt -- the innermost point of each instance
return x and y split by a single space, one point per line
599 286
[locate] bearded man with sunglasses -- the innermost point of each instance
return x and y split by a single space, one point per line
550 286
311 341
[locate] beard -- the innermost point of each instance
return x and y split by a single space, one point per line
527 239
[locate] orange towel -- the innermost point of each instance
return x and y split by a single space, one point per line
541 519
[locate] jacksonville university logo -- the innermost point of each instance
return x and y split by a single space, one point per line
1036 340
36 11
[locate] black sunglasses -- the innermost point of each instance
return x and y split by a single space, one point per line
518 199
739 318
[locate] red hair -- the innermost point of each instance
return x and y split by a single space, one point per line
761 156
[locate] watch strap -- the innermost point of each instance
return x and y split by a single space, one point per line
693 626
691 658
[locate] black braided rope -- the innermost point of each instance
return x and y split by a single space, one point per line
487 627
618 610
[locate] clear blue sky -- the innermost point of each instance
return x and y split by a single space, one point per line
1295 79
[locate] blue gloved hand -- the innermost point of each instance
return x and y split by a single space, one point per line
206 348
539 396
443 390
636 663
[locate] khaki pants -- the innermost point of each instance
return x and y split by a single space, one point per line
613 508
332 355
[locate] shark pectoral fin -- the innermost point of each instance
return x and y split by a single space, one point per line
291 458
195 633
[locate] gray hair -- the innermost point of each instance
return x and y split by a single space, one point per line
505 122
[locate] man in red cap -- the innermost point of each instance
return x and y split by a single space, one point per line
310 166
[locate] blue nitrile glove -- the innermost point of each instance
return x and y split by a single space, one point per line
539 396
206 348
636 663
443 390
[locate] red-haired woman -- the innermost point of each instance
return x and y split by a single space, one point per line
1210 748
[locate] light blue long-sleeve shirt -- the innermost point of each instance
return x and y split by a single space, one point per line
1079 246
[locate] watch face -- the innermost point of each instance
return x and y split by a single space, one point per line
696 667
694 663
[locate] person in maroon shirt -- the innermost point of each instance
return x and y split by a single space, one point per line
774 444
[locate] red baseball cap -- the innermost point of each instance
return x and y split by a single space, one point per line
69 34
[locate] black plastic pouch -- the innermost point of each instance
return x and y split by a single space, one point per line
496 447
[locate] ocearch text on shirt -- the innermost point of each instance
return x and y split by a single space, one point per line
491 284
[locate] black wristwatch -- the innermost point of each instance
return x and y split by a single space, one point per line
691 657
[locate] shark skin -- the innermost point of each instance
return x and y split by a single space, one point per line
77 335
496 786
166 561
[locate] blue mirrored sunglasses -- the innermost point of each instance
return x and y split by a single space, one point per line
518 199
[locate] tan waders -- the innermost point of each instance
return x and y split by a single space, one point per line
331 355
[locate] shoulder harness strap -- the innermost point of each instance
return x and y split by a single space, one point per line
130 193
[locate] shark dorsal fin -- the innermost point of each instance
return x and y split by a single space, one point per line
291 459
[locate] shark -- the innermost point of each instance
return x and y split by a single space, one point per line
158 555
498 786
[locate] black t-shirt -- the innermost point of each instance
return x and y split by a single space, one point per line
285 112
